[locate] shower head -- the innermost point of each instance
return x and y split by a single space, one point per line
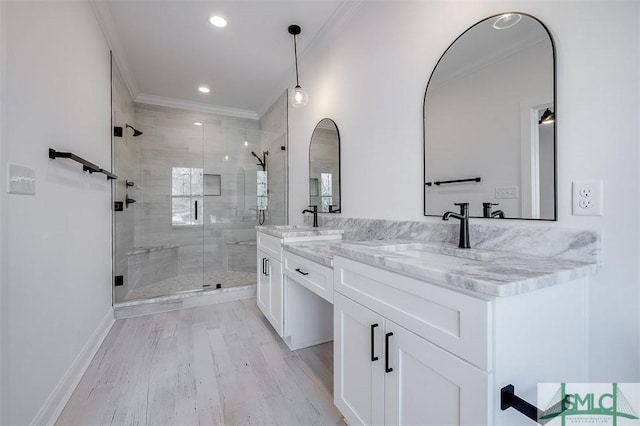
135 132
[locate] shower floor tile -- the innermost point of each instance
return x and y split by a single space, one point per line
193 282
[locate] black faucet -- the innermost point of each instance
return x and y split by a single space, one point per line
463 217
315 215
486 211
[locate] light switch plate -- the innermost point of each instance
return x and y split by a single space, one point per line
506 192
22 180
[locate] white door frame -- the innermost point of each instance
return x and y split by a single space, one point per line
530 155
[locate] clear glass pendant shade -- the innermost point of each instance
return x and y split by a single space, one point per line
298 97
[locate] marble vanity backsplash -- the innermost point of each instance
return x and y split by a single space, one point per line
561 243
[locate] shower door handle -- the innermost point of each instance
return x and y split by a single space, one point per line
196 210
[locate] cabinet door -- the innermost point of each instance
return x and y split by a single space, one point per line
274 275
263 284
430 386
358 373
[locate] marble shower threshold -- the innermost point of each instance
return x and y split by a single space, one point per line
182 300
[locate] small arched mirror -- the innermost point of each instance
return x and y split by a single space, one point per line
324 167
488 139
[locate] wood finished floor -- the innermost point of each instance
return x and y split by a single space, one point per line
214 365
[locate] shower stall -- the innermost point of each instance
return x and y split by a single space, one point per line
188 196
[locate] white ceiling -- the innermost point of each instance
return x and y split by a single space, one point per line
165 49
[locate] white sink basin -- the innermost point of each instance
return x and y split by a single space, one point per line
437 258
437 254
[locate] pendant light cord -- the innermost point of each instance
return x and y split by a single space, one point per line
295 52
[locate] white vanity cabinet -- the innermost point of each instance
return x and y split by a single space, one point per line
308 289
270 291
311 275
412 352
410 380
273 290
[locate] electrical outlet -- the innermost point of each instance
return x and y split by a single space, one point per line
586 192
585 204
587 198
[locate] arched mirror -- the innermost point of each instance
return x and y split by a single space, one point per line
489 122
324 167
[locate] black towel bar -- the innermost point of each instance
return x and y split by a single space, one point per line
442 182
509 399
87 166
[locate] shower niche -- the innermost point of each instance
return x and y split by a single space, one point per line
213 185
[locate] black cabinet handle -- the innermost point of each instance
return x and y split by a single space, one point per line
387 369
266 269
301 272
373 327
196 210
263 267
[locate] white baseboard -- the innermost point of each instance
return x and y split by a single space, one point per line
55 403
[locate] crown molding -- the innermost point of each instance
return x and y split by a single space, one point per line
194 106
105 21
338 18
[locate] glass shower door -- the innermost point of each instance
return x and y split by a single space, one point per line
229 204
159 237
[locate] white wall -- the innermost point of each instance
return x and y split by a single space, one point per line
371 78
3 223
59 268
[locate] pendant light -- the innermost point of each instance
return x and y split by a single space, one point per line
548 117
298 97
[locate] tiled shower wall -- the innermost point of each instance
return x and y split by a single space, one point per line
274 130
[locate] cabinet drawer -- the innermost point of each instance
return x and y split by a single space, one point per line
454 321
313 276
269 244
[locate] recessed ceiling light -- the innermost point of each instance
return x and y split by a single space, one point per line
204 89
218 21
197 123
507 20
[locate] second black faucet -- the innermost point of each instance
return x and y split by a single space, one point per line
315 215
488 213
463 217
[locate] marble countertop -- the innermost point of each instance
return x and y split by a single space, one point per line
486 272
290 231
316 251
